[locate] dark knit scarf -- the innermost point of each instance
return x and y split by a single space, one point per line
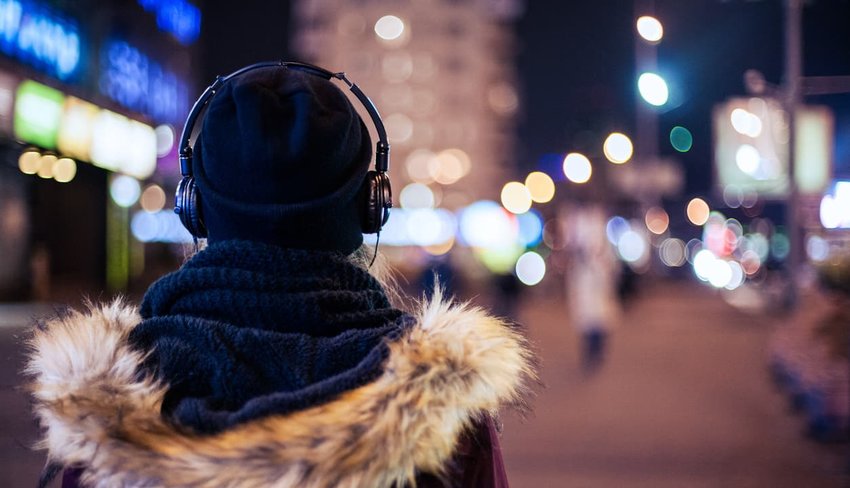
244 330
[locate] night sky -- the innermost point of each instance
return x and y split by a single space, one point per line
576 65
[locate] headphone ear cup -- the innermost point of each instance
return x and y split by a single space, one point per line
387 197
188 207
378 202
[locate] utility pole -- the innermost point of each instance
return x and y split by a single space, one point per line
792 92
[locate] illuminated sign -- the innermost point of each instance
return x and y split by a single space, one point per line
177 17
135 81
37 37
38 112
75 128
8 84
751 147
124 145
835 207
47 118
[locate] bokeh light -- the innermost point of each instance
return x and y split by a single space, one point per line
164 140
632 247
448 166
389 27
423 226
124 190
416 195
162 226
780 246
399 128
486 224
152 199
745 122
748 159
657 220
618 148
692 248
516 197
530 228
738 276
540 186
503 99
577 168
698 211
750 262
64 170
673 252
418 165
733 196
530 268
681 139
440 249
817 248
29 161
653 89
45 166
650 28
615 228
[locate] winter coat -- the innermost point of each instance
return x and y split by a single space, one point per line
425 420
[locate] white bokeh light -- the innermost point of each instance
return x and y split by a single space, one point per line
631 246
650 28
530 268
389 27
125 190
653 89
618 148
748 159
416 195
577 168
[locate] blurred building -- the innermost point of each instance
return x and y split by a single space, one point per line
441 72
90 93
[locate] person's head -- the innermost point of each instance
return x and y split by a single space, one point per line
281 158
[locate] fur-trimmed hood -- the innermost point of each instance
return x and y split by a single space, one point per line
453 365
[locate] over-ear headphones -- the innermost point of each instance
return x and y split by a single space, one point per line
378 193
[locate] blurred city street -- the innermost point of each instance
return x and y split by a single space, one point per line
684 399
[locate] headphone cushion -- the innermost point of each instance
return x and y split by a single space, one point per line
376 209
188 201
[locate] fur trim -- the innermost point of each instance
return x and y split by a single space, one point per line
455 364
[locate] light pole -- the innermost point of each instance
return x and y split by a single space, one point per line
646 61
793 77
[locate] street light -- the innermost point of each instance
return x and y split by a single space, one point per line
577 168
650 29
653 89
618 148
389 27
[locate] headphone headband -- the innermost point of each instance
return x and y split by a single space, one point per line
382 147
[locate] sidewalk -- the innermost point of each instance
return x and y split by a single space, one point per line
21 314
685 400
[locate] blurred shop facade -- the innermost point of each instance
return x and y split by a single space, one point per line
90 95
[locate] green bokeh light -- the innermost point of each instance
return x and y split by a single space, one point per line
681 139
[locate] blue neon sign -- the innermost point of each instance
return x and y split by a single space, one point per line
38 37
177 17
135 81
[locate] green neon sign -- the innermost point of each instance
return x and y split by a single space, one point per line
38 111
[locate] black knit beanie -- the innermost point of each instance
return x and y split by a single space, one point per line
281 159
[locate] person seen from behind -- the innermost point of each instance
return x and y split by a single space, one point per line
274 356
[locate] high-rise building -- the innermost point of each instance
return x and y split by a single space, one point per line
441 72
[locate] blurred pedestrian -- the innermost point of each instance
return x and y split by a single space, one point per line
591 281
274 357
